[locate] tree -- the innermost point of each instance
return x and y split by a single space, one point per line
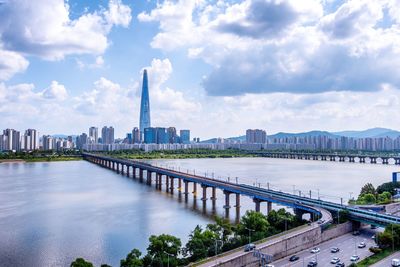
201 244
384 198
253 224
388 187
80 262
163 249
369 199
132 259
368 189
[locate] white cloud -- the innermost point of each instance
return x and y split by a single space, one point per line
44 28
55 91
257 46
11 63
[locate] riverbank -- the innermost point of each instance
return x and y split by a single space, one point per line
41 159
182 154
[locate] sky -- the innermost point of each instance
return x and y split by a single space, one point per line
216 67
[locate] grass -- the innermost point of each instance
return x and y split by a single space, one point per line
375 258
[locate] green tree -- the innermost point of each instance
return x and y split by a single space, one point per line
368 189
132 259
384 198
222 227
369 199
281 219
253 224
163 249
388 187
80 262
201 244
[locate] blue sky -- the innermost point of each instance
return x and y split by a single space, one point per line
215 67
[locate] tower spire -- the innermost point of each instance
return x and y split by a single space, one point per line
144 105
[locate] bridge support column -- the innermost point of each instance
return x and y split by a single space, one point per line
148 180
127 170
299 213
180 185
373 160
341 158
113 165
227 204
351 159
237 203
213 196
397 161
257 202
141 175
186 192
122 168
269 207
194 189
166 183
362 159
133 172
204 198
172 185
385 161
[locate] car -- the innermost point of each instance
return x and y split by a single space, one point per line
315 250
356 233
269 265
354 258
362 245
249 247
335 260
335 250
373 237
340 264
395 262
294 258
312 263
321 221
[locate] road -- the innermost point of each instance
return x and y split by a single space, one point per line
346 244
387 262
232 255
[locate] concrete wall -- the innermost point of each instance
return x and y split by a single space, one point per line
284 247
392 208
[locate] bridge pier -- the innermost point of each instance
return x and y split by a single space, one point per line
332 158
385 160
171 189
237 206
148 180
269 206
186 192
257 203
351 159
213 196
122 168
194 190
166 183
204 198
361 159
397 161
227 204
141 175
373 160
341 158
127 170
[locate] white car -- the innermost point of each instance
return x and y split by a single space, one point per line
362 245
354 258
315 250
335 260
395 262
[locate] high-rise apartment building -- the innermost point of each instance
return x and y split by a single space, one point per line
144 106
81 140
107 135
136 136
93 135
172 138
12 139
48 142
256 136
184 136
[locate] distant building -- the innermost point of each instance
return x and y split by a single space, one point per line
256 136
185 136
30 140
107 135
128 139
48 142
150 135
172 138
11 140
81 140
93 135
136 136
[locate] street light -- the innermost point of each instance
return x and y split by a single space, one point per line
168 257
250 230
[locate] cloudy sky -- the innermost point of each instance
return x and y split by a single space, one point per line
215 67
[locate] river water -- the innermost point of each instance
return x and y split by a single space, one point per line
52 213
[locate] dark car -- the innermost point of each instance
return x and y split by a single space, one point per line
356 233
294 258
340 264
249 247
312 263
335 249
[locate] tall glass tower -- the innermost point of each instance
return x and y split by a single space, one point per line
144 106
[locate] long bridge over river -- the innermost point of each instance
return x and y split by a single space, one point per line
146 172
352 158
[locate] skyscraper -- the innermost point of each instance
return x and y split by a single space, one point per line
93 135
144 106
107 135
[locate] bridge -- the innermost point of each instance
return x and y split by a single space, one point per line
353 158
145 172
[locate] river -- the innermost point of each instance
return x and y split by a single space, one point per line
52 213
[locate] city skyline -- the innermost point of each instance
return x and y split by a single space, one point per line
203 71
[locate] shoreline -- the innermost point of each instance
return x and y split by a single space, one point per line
33 160
12 161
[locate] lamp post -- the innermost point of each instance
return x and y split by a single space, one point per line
250 230
168 257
